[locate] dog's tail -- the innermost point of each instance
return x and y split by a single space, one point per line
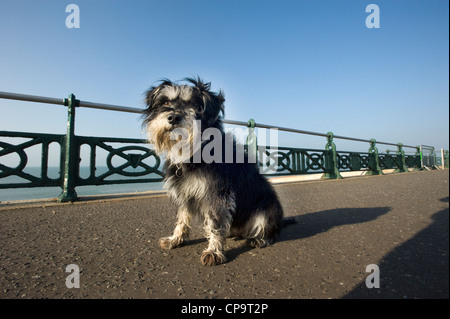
288 221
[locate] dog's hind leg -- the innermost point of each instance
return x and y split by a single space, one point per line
181 231
262 228
256 231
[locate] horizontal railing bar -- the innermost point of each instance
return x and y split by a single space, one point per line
51 100
31 98
232 122
42 99
368 141
286 129
110 107
30 135
309 132
87 139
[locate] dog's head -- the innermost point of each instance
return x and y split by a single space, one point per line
174 113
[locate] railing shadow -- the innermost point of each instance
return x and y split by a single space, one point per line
416 269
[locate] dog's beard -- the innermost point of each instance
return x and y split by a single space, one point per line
178 143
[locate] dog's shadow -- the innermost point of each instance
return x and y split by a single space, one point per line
309 225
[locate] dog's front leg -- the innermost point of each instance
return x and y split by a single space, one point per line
216 230
180 232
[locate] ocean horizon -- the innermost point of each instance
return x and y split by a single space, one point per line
31 193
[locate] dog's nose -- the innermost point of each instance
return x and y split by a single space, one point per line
174 118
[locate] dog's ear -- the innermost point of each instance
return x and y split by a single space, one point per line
152 93
212 101
150 96
214 104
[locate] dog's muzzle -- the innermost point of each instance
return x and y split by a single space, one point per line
173 118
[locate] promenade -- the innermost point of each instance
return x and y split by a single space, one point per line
399 222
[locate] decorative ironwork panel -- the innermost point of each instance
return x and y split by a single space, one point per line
15 174
352 161
137 164
397 161
386 161
291 161
412 161
132 161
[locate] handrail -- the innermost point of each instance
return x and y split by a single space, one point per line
51 100
284 161
30 98
110 107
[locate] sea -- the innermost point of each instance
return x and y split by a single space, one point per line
18 194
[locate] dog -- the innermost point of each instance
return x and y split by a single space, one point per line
231 197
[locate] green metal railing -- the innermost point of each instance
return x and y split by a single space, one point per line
140 164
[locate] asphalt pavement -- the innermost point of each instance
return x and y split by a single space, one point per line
396 223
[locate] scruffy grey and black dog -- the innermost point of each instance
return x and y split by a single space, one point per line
215 183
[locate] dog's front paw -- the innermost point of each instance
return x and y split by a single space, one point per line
212 258
169 242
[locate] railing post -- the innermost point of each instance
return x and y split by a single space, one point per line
252 144
331 167
69 154
401 154
374 167
418 159
446 159
422 167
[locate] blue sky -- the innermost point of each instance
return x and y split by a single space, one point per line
311 65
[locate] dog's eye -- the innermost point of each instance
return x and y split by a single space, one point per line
167 103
